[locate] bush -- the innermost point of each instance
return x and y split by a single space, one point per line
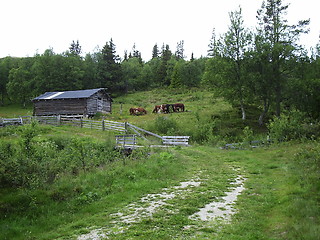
165 125
292 125
248 136
30 162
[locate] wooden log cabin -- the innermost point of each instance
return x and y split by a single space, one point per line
82 102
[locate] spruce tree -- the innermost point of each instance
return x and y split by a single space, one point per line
109 68
75 48
155 51
136 54
213 45
279 40
162 70
180 50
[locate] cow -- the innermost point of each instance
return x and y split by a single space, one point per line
156 109
137 111
165 108
178 106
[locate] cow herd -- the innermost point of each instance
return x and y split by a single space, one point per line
163 108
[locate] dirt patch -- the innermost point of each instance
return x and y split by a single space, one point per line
143 208
223 209
151 203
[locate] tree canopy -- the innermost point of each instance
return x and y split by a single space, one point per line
265 67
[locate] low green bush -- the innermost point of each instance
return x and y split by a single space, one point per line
166 126
32 161
293 125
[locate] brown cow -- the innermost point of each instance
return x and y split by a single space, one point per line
137 111
178 106
165 108
156 109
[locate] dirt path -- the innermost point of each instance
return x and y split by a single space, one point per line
224 209
151 203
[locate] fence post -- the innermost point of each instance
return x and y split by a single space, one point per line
81 123
102 124
120 108
126 126
59 119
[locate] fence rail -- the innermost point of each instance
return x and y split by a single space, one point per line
98 125
79 122
10 121
176 140
126 141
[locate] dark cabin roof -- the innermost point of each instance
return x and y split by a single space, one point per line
69 94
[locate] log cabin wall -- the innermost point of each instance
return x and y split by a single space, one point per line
81 102
60 107
98 102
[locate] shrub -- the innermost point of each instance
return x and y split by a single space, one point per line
290 126
31 162
165 125
202 132
247 136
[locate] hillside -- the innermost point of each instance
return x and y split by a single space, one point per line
69 183
207 119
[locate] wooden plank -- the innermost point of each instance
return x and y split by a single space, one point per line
171 141
176 137
176 143
140 129
126 141
11 121
139 134
176 140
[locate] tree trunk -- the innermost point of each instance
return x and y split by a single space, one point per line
278 102
243 111
264 112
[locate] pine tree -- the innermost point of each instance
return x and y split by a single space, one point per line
213 45
180 50
75 48
109 68
279 41
162 70
176 78
155 51
125 57
136 54
192 58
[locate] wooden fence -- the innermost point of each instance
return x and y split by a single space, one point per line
78 122
98 125
10 121
176 140
126 141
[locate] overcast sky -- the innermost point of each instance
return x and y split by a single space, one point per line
31 26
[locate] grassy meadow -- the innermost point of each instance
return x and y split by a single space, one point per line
62 182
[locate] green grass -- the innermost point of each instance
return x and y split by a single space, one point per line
207 119
280 200
278 203
15 110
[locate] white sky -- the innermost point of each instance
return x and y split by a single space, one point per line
31 26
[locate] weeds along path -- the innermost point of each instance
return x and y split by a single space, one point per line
178 211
